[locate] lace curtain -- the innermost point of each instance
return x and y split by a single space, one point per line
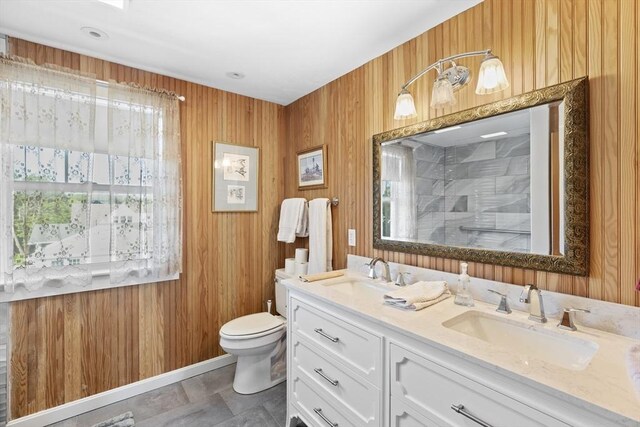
90 181
145 198
398 169
47 123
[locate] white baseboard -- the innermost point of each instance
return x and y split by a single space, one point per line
77 407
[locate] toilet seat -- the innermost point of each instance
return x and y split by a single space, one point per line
252 326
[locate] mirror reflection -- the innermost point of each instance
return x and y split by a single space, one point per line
495 183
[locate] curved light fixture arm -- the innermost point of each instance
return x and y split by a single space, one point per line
438 64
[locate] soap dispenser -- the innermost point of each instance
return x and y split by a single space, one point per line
463 296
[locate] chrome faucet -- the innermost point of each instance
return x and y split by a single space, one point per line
531 295
372 269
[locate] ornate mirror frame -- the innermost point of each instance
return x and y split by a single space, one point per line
576 169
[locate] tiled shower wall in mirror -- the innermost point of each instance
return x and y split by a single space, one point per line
475 195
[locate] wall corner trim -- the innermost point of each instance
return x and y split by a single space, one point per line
80 406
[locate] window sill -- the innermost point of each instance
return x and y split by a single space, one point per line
100 281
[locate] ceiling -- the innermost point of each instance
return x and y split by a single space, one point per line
513 124
285 48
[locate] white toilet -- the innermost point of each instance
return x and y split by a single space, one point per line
259 342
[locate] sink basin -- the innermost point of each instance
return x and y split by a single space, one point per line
527 340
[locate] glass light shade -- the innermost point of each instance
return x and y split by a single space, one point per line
491 77
442 94
405 108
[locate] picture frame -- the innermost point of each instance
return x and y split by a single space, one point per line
234 178
312 168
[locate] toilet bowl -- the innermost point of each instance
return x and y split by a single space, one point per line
259 342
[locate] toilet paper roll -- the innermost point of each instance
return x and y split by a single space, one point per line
290 266
302 255
301 268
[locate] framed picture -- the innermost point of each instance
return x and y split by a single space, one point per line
235 178
312 168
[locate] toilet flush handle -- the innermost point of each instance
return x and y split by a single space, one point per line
269 306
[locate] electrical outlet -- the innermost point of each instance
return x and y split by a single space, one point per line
352 237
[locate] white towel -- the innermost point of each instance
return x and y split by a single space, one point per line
418 296
633 366
320 236
293 220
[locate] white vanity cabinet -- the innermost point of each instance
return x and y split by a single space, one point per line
346 369
335 368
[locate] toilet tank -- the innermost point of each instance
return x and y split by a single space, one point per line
281 293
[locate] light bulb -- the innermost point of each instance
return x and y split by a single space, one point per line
491 77
405 107
442 94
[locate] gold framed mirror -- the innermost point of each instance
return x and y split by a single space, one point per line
504 183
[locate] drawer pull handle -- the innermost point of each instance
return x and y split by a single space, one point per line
323 375
324 417
327 336
460 410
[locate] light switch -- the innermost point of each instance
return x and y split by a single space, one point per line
352 237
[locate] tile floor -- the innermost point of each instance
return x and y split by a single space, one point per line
205 400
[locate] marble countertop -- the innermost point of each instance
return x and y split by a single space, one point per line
605 382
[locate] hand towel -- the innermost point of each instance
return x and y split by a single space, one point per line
418 296
419 305
320 236
293 220
633 366
321 276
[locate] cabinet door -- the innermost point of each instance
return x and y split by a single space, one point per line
404 416
315 408
434 390
358 395
359 349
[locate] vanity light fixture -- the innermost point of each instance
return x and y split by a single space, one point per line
491 135
491 78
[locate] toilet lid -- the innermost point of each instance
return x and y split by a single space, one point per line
251 324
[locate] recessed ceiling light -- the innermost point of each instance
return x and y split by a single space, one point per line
235 75
446 129
115 3
94 33
491 135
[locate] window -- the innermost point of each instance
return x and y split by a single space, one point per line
94 181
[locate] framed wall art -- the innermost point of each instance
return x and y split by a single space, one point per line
312 168
235 178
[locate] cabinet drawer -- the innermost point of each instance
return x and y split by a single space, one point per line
433 390
316 410
360 397
405 416
360 350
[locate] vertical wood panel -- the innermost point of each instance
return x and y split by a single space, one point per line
611 182
72 346
627 152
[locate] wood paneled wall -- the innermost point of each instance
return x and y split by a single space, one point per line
541 42
68 347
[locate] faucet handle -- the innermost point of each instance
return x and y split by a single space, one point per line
400 278
568 321
503 307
